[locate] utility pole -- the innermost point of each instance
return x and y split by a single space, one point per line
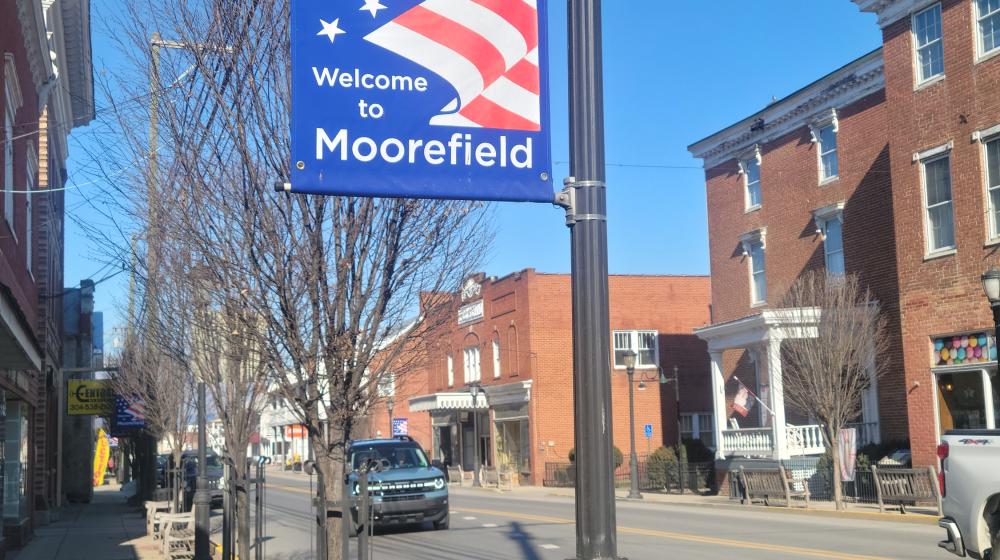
585 199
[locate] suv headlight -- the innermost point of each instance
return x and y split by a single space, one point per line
356 489
439 483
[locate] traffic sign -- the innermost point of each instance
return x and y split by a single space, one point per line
400 427
648 429
421 99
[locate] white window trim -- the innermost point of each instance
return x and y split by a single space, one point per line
746 240
697 430
472 364
635 347
12 88
923 158
983 137
818 123
919 80
752 154
977 36
451 370
496 357
30 185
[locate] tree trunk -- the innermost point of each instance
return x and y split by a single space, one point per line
243 541
330 461
838 495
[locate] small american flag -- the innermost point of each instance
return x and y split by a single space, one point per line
743 403
486 49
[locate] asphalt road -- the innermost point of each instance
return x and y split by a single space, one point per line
488 526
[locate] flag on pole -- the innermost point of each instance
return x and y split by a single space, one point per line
742 403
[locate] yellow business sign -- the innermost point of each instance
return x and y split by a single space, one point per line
90 396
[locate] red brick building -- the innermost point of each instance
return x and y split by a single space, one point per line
888 167
513 335
47 90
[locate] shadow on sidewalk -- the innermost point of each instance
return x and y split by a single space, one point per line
106 528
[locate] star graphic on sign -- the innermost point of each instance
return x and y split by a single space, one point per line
331 30
373 6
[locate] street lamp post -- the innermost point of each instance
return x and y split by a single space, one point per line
633 460
389 404
991 287
474 389
202 500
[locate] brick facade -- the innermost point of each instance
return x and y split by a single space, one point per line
883 119
529 315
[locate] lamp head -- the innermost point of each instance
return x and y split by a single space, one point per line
474 389
991 285
629 358
642 385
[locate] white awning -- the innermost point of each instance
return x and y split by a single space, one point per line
447 401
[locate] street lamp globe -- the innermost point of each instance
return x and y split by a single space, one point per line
991 285
629 358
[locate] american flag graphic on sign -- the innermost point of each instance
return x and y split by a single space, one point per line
486 49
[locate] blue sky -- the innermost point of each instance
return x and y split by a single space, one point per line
675 71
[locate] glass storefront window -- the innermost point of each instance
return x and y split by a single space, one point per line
961 399
15 498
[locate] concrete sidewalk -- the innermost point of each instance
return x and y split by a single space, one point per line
106 528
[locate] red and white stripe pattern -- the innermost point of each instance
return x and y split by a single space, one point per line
486 49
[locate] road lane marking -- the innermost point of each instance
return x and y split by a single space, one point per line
490 525
549 546
811 552
468 518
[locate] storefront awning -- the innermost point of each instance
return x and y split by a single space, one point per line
493 395
446 401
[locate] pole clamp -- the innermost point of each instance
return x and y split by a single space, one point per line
566 199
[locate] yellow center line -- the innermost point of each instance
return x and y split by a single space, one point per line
671 535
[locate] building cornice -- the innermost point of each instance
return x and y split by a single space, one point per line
850 83
891 11
36 42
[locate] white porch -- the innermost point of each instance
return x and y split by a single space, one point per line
761 335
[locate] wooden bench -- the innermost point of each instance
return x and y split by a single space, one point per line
767 484
155 509
177 540
506 476
490 477
905 486
455 475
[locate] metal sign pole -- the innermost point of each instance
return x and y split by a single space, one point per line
585 199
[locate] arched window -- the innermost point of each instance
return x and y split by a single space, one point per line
513 357
470 359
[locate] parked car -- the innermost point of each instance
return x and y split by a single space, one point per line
406 488
161 469
216 485
970 490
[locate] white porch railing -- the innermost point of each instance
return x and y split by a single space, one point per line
805 440
759 442
748 441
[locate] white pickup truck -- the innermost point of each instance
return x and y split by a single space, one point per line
970 487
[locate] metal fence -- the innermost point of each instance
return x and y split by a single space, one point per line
672 477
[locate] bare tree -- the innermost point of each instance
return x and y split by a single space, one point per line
327 294
833 361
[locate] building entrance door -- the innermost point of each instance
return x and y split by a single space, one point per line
468 447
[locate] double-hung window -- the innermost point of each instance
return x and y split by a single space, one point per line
496 357
451 371
697 426
8 161
828 165
928 44
758 278
992 149
940 220
830 226
751 168
988 25
643 343
28 218
471 361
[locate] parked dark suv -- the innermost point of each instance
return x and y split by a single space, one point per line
407 489
213 472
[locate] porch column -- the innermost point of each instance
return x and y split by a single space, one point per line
718 403
869 404
777 390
